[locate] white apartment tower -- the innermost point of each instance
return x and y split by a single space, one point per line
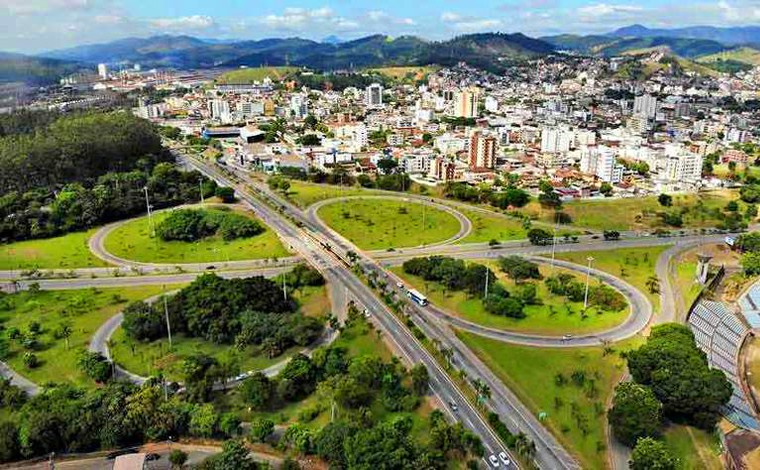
645 105
600 162
554 140
220 110
103 71
374 96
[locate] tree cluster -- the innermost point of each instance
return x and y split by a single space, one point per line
244 312
189 225
509 197
600 295
453 273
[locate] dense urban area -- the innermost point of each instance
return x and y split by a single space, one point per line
493 251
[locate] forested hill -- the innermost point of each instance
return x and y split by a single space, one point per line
60 173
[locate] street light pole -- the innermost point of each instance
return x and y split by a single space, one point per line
150 213
486 289
588 276
166 314
200 187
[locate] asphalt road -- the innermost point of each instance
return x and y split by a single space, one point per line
311 247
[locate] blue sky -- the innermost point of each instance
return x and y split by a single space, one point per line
38 25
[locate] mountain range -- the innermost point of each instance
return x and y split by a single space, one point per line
491 51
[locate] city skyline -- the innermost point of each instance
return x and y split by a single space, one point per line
35 26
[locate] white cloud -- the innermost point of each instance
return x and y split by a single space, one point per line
605 9
303 19
463 23
183 23
28 7
381 16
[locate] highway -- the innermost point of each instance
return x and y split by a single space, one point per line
311 246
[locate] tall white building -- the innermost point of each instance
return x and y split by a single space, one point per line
645 105
374 96
555 140
682 165
600 162
491 104
220 110
466 103
299 105
103 71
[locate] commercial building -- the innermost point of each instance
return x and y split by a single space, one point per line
374 96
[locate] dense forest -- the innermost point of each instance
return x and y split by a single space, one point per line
61 173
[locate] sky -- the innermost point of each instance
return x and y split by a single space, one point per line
32 26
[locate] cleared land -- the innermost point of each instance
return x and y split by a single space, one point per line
377 224
410 73
694 448
641 213
554 315
65 252
487 227
134 241
150 358
255 74
747 55
572 386
83 311
634 265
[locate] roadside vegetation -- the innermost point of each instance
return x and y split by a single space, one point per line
376 224
68 251
195 236
567 388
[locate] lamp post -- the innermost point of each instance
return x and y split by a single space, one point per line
588 276
150 212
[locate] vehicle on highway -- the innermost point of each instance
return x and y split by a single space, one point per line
453 405
494 461
212 267
416 296
567 337
366 313
504 459
152 456
400 285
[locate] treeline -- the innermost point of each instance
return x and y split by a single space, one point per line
113 196
244 312
190 225
399 182
601 296
507 197
76 148
671 380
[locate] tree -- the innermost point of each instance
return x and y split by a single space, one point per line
200 371
260 429
650 454
229 425
203 420
665 200
420 378
518 268
751 263
387 165
310 140
606 189
226 194
539 236
234 456
177 458
258 391
653 284
10 448
635 413
611 235
95 365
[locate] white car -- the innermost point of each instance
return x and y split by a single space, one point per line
494 461
504 459
400 285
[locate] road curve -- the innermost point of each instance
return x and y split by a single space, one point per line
640 308
465 225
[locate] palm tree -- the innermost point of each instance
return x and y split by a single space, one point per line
66 332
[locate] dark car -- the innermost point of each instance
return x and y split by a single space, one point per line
152 456
117 453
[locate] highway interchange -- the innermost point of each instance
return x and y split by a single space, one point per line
316 243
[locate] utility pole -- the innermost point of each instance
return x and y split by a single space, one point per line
588 276
554 241
486 289
284 288
166 314
150 213
200 187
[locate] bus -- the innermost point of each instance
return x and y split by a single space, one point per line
417 297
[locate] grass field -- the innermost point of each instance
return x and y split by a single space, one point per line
640 213
695 449
576 409
398 73
376 224
753 365
555 316
747 55
303 194
65 252
149 358
255 74
633 265
133 241
83 310
487 227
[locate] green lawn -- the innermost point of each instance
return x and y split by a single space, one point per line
576 414
303 194
694 448
555 316
376 224
83 310
65 252
633 265
149 358
255 74
133 241
490 226
640 213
